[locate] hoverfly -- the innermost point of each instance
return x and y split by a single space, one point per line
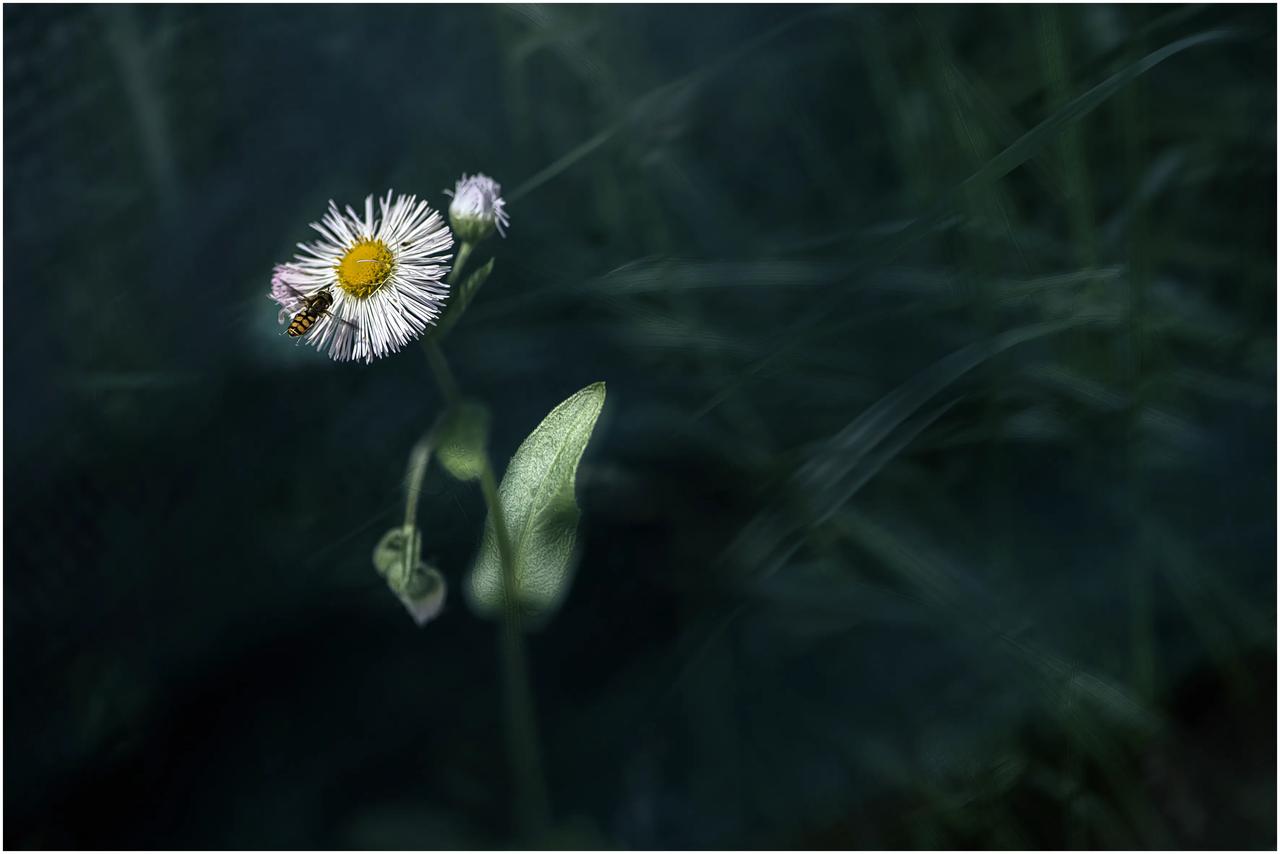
313 308
309 310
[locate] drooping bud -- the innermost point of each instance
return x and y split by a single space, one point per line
419 587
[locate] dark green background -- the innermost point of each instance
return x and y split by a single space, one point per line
1025 602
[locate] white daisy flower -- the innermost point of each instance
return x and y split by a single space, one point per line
375 282
477 208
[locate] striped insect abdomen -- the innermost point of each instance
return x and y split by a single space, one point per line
302 321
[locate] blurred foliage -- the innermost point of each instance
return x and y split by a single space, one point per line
935 500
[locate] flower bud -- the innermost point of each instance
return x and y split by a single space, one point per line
419 587
477 208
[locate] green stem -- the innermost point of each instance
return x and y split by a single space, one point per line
431 343
461 295
464 253
532 808
440 370
418 459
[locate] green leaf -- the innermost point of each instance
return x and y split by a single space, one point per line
398 559
541 512
464 434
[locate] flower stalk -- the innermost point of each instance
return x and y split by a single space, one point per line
420 587
440 370
532 807
460 262
418 459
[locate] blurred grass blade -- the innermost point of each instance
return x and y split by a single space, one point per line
653 100
846 449
1030 143
843 494
967 608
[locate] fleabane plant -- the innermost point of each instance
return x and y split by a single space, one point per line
378 280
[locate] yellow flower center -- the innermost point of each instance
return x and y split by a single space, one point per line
365 268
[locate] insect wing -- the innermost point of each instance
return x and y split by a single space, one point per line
295 301
292 299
